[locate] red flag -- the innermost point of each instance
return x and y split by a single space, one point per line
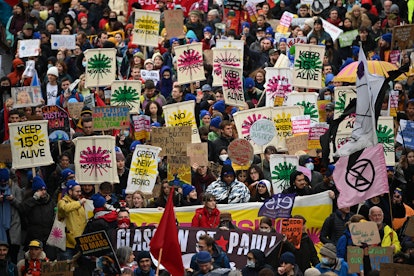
166 238
99 101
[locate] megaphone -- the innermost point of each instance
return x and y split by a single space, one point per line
220 28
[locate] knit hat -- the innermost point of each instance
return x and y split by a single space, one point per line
4 175
156 124
189 97
98 200
269 30
330 170
206 87
148 61
119 156
191 34
27 26
204 113
215 122
187 189
312 272
174 39
38 184
82 15
287 258
143 255
134 145
66 173
309 22
394 9
248 83
245 25
283 39
328 250
86 110
50 21
226 170
329 78
387 37
36 243
264 182
220 106
139 54
203 257
71 183
4 243
53 71
208 29
132 45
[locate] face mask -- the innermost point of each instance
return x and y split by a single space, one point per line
250 264
328 97
332 183
124 223
84 63
223 157
158 160
126 133
49 65
310 166
398 154
112 19
265 230
325 261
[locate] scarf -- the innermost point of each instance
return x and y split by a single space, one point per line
5 211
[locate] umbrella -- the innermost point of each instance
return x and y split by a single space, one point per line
376 67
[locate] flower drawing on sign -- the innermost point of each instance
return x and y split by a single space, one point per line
225 58
99 66
180 118
310 109
190 61
281 174
125 95
56 233
308 65
247 124
278 86
314 234
385 137
232 81
95 160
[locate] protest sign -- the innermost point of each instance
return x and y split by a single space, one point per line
343 96
307 71
174 23
331 29
346 38
292 229
405 134
395 56
182 114
402 37
126 93
63 41
28 47
153 75
75 109
144 169
364 232
142 126
379 256
297 143
30 144
393 103
296 40
322 109
95 159
94 244
233 4
179 168
6 154
262 132
57 117
89 100
281 166
285 22
300 124
278 206
198 153
389 269
318 6
306 99
57 268
190 66
282 119
224 56
100 67
240 151
278 84
233 85
146 27
300 21
110 117
172 140
26 96
208 56
385 134
315 132
30 69
409 228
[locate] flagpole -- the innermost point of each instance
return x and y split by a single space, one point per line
159 263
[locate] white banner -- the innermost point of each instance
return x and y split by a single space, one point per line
126 93
30 144
225 56
307 70
28 48
146 28
331 29
233 85
343 96
182 114
151 75
278 84
63 41
385 134
308 100
190 67
100 68
95 160
144 169
281 166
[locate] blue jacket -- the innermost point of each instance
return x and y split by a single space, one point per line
343 242
341 268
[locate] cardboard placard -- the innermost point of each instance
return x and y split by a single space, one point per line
364 232
240 152
179 166
57 117
174 23
172 140
292 228
198 153
94 244
397 269
75 109
110 117
57 268
354 258
377 254
402 37
297 143
409 228
6 155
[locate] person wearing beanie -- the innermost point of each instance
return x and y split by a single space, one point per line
204 262
71 209
288 265
189 196
205 118
312 272
214 128
103 219
252 93
385 47
263 191
227 189
329 261
144 264
50 89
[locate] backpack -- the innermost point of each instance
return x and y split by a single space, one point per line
62 98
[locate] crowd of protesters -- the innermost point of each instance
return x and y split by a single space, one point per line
29 203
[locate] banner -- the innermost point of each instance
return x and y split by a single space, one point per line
30 144
278 206
378 255
182 114
240 152
100 68
278 84
174 23
225 56
300 124
296 40
28 47
63 41
306 99
179 168
343 96
364 232
190 66
94 244
292 229
95 160
6 154
405 134
146 28
282 119
346 38
172 140
281 166
57 118
331 29
402 37
307 70
75 109
144 169
262 132
153 75
393 103
318 6
297 143
285 22
107 118
126 93
57 268
385 134
142 126
26 96
233 85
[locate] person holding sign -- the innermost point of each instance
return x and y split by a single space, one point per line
330 262
388 236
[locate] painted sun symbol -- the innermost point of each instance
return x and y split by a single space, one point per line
179 118
99 66
144 167
225 58
29 140
250 120
125 95
92 157
191 60
281 120
56 233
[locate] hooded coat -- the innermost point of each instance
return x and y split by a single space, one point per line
16 75
259 264
165 85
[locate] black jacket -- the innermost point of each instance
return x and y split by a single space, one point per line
306 255
259 265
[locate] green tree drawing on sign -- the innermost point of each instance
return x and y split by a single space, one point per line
99 65
125 95
281 174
